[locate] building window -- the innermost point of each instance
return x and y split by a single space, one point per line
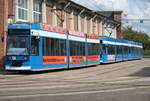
23 10
29 11
37 11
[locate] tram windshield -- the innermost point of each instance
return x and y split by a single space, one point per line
18 45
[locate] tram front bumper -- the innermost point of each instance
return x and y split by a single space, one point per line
18 68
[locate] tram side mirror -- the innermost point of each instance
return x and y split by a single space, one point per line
36 37
101 41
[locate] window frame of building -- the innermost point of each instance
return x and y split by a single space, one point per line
19 6
29 7
37 9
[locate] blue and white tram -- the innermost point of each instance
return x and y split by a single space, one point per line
135 50
42 47
36 47
115 50
108 49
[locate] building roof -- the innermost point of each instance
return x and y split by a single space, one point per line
103 14
109 13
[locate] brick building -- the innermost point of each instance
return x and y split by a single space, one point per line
64 13
117 16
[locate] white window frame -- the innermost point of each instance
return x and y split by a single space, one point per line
30 12
37 12
17 11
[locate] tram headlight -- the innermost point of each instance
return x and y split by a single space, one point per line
26 58
11 57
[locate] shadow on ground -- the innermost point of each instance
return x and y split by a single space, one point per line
145 72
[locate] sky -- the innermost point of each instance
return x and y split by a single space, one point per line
132 9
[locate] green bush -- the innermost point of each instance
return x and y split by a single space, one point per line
146 52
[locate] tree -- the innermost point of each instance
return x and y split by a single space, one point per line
141 37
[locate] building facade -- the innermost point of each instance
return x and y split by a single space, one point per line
117 16
63 13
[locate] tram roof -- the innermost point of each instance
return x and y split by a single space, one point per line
110 39
24 26
51 28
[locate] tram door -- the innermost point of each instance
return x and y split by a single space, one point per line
36 52
119 53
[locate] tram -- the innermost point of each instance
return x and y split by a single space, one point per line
115 50
40 47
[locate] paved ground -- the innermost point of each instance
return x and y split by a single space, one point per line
124 81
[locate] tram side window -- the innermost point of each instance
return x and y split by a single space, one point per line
48 47
73 48
82 48
111 50
93 49
34 46
96 49
137 49
133 50
89 49
129 50
119 49
62 47
77 48
54 47
125 49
